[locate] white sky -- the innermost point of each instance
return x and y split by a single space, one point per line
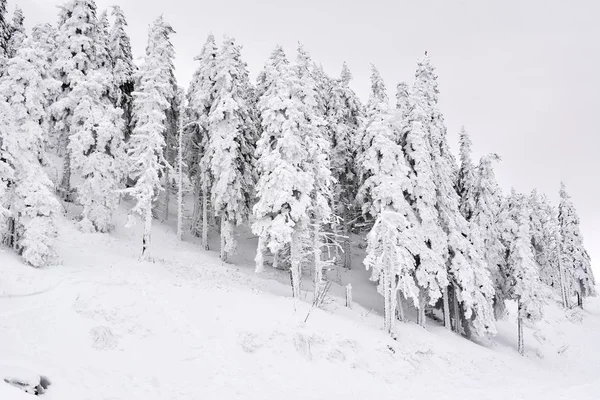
522 76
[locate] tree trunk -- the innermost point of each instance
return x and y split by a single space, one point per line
318 277
296 264
167 193
521 345
456 308
204 218
447 324
400 308
421 311
225 237
259 259
147 231
180 179
65 183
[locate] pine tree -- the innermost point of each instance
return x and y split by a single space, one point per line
521 274
286 183
231 145
16 34
25 86
75 58
573 256
147 144
377 97
417 144
486 224
44 38
465 184
201 97
395 236
343 113
123 67
313 127
7 172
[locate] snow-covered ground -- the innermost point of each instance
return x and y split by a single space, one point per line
105 325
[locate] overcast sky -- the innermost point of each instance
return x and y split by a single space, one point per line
522 76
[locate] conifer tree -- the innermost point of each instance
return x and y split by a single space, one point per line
123 67
573 256
147 144
521 274
416 140
343 113
26 87
75 58
395 235
286 178
231 145
201 97
17 33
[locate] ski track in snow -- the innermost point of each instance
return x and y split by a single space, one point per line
105 325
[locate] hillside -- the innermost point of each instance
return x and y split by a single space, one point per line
106 326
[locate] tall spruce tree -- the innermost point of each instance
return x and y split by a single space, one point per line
431 270
522 282
395 236
201 97
286 179
146 146
573 256
232 144
343 113
26 87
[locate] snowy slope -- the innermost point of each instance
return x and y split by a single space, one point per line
106 326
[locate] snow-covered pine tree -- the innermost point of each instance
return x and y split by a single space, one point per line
103 57
395 235
377 97
313 103
26 87
201 96
231 144
123 67
469 278
44 36
17 33
487 221
343 113
431 271
573 256
147 143
286 178
75 58
90 123
467 172
521 273
480 282
545 239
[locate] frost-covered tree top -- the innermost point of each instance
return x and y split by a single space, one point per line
17 32
465 184
346 75
120 49
103 53
76 38
403 97
45 37
378 91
